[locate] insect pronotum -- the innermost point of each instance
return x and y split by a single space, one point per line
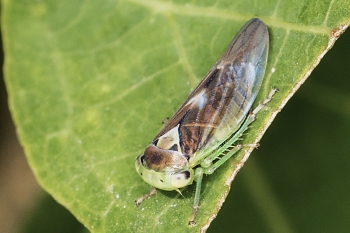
195 140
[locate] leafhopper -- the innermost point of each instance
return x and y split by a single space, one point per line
202 134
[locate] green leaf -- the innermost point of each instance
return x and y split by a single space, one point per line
90 83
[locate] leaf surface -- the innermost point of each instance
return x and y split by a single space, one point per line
89 84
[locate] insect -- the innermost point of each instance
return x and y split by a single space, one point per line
195 141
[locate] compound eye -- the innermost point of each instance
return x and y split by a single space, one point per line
180 179
142 159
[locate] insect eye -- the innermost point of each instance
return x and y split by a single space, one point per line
181 179
142 159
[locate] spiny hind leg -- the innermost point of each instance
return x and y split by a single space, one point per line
208 163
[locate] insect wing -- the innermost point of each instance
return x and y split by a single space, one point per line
220 103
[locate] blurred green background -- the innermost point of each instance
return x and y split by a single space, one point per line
297 180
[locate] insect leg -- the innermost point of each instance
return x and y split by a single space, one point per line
208 165
268 99
139 200
198 179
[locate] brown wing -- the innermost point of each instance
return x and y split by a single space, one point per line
219 104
